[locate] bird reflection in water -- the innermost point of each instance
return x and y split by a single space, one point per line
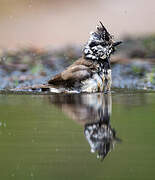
93 111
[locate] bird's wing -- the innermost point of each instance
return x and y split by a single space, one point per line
81 69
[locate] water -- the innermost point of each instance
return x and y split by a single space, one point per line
46 137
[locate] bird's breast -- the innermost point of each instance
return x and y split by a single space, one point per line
97 82
93 84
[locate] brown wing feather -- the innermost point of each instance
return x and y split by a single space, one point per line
56 79
79 70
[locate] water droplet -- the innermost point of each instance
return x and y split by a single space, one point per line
4 124
31 174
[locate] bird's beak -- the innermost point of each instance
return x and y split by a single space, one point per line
117 43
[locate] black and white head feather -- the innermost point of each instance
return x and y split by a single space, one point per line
100 44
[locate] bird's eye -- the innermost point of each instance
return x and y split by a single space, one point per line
107 38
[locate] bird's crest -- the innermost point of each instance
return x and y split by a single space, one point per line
102 31
100 44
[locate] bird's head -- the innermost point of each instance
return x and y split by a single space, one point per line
100 44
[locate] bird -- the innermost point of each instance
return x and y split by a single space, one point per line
92 72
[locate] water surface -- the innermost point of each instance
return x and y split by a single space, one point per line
89 136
